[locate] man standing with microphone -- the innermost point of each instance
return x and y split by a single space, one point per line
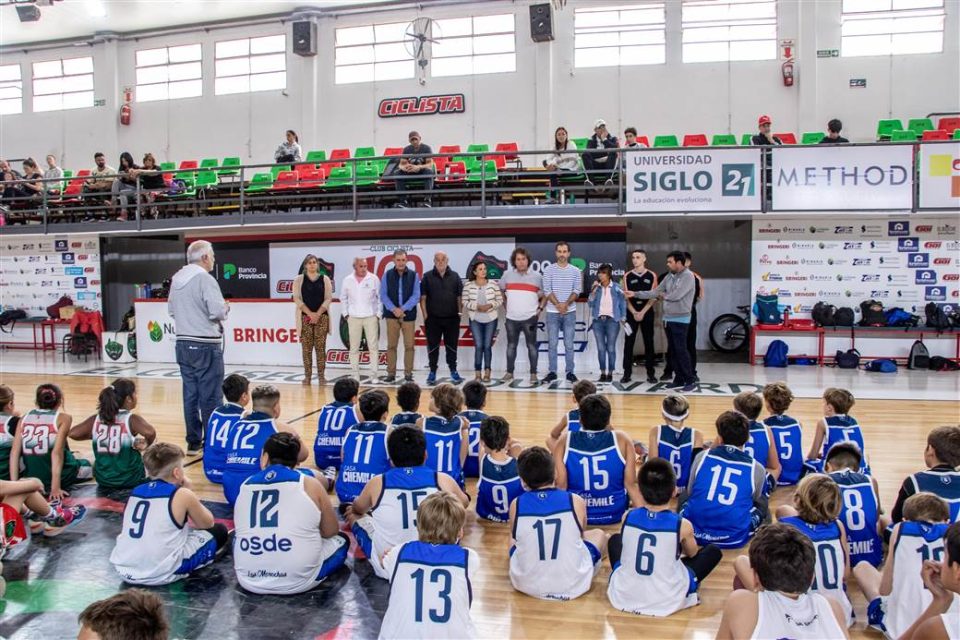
198 310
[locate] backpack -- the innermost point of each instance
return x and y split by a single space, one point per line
10 317
897 317
823 314
882 365
768 310
176 187
776 355
849 359
919 357
54 310
871 314
937 318
843 317
939 363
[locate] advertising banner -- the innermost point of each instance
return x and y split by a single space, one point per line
243 269
837 177
586 255
693 179
35 273
940 176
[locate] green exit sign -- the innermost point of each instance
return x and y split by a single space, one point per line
828 53
100 102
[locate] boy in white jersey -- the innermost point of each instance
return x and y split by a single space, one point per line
942 579
897 597
384 515
649 576
287 539
570 421
783 561
552 554
430 590
155 545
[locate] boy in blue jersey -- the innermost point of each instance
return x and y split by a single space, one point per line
674 442
725 500
335 420
598 463
836 426
236 389
760 445
384 515
860 514
570 421
474 399
408 399
786 431
649 575
499 482
446 431
941 478
364 448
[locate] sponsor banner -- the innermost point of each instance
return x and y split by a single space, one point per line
585 255
700 179
119 346
243 269
422 106
913 263
826 177
940 175
36 273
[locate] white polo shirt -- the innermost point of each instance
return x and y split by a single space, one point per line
360 299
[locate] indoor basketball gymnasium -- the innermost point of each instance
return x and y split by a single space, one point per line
656 300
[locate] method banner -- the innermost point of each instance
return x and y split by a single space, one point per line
836 177
693 179
940 175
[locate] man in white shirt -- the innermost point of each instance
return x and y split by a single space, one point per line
360 305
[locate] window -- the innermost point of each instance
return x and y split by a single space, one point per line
11 89
251 64
722 30
469 46
372 53
63 84
619 36
888 27
169 73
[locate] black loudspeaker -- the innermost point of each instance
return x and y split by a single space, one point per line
541 22
305 38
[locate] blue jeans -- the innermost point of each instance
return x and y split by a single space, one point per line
201 371
606 330
557 322
483 338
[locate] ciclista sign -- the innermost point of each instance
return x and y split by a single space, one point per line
422 106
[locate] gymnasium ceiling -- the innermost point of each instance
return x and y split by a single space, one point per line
68 19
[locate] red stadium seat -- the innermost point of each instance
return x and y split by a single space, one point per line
786 138
393 151
83 173
500 160
936 134
186 165
287 180
449 148
311 177
509 146
950 124
695 140
340 155
456 172
441 163
643 140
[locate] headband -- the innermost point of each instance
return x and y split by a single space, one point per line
673 417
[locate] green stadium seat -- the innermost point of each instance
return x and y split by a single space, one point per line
478 148
477 172
665 141
581 143
67 173
209 163
956 134
919 125
276 169
232 161
903 136
260 182
206 179
746 140
812 137
367 175
168 166
316 157
364 152
887 127
723 140
340 177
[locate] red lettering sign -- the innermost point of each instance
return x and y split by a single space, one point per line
285 286
424 105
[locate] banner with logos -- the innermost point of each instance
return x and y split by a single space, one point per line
36 273
693 179
242 269
838 177
940 175
902 262
586 255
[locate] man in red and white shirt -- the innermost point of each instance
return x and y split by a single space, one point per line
360 305
523 292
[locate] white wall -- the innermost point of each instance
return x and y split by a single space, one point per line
525 106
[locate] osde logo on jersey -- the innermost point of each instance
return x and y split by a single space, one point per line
257 546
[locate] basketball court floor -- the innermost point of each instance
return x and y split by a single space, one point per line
56 578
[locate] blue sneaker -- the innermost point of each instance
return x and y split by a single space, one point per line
455 377
432 378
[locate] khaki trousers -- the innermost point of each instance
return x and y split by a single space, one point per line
394 328
371 327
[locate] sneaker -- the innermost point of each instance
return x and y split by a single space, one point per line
408 377
455 377
507 377
550 377
666 376
571 377
62 519
330 473
34 522
194 449
673 385
687 388
389 378
652 379
432 378
625 379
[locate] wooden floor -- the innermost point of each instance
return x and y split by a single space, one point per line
895 433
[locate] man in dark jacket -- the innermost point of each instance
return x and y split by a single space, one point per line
601 166
441 291
400 293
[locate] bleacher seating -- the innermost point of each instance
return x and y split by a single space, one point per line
886 127
786 138
695 140
665 141
903 136
812 137
723 140
936 134
950 124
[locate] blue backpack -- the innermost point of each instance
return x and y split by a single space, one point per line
882 365
767 310
897 317
776 355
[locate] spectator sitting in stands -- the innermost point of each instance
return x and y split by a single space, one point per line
764 137
289 152
125 183
559 162
34 189
53 172
599 165
833 133
151 180
418 167
8 174
101 178
630 138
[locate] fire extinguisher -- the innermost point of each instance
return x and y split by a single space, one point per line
787 70
126 111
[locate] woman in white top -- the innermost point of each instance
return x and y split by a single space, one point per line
312 296
482 298
289 151
559 162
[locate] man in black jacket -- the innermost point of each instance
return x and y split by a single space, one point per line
441 291
601 166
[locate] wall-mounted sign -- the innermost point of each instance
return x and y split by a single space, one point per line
422 106
828 53
858 83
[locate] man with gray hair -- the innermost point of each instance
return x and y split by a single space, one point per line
198 311
360 305
400 293
441 299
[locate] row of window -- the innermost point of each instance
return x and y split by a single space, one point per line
634 34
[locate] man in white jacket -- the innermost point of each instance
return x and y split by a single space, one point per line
360 305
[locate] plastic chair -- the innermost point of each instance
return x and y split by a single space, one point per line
812 137
886 127
315 157
919 125
695 140
786 138
480 172
232 161
209 163
905 135
950 124
276 169
581 143
206 179
723 140
665 141
364 152
188 164
935 134
339 177
446 148
164 166
746 140
260 182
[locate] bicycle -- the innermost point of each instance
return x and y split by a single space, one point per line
730 332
